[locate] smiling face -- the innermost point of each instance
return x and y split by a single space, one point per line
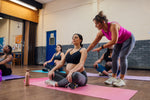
76 40
98 25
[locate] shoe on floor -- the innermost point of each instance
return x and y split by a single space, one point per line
100 74
110 81
45 69
50 82
109 74
119 83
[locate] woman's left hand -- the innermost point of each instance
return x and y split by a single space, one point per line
69 77
97 49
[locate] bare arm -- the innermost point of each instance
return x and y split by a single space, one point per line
45 63
59 65
62 55
97 39
51 59
8 59
100 60
62 62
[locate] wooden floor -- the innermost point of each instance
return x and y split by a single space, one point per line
15 89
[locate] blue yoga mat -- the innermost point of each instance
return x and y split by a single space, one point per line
40 71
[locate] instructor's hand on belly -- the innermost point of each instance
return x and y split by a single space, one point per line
51 74
69 77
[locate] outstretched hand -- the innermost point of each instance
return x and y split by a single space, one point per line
97 49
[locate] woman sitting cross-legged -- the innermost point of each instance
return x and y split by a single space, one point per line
75 71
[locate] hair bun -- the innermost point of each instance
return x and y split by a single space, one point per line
101 14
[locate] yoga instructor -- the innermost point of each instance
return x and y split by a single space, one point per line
123 40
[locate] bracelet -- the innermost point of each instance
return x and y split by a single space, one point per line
102 47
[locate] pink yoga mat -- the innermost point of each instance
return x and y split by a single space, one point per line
110 93
141 78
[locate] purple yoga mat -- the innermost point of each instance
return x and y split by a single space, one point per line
141 78
11 77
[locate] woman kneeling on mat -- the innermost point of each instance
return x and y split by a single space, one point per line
76 74
56 58
6 61
123 40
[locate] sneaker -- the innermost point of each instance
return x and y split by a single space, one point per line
101 74
45 69
110 81
50 82
119 83
109 74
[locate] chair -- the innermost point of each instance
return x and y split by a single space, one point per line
16 59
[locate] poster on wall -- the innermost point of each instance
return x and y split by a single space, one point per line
18 43
1 43
18 39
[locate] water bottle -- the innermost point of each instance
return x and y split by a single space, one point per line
27 77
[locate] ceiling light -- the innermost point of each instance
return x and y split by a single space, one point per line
24 4
1 17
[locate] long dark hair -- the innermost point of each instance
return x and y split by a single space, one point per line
100 17
60 47
81 38
107 53
10 49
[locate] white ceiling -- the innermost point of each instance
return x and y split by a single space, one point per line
43 1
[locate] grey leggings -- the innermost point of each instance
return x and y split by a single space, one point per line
122 51
79 78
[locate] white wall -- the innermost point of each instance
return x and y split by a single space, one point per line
16 28
70 16
9 29
67 17
133 15
4 29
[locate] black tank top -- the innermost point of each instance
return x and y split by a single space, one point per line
74 58
107 58
58 57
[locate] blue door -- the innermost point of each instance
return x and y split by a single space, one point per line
50 45
1 44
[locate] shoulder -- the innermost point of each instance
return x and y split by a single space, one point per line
83 50
10 56
114 25
68 50
61 53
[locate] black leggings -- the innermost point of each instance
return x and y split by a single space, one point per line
48 66
79 78
5 71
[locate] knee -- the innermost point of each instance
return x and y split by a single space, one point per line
75 75
123 57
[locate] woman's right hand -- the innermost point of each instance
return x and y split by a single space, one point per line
45 64
51 74
95 64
